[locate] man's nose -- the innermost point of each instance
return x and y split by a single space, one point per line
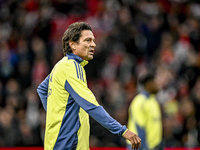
93 44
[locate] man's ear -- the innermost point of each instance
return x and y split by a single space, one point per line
72 45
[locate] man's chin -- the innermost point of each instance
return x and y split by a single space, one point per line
90 58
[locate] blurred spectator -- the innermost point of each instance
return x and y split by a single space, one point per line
145 118
9 131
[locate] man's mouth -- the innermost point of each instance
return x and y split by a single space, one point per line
91 51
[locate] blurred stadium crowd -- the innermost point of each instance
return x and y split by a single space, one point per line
132 37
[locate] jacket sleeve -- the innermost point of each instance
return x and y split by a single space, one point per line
42 91
86 100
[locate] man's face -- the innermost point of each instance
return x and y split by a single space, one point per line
152 86
84 48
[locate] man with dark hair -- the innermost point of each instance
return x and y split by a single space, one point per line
73 33
145 114
67 99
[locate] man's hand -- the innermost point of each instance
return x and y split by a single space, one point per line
133 138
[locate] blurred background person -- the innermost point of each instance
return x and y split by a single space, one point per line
145 114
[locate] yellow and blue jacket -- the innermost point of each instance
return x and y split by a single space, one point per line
68 101
145 120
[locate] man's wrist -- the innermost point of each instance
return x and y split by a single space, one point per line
125 132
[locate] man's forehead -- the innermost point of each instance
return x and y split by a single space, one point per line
87 33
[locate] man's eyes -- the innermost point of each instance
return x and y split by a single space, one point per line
89 40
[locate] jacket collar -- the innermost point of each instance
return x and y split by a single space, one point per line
146 93
77 59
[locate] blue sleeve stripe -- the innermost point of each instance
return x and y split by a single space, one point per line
76 70
51 75
81 101
81 72
79 69
97 112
